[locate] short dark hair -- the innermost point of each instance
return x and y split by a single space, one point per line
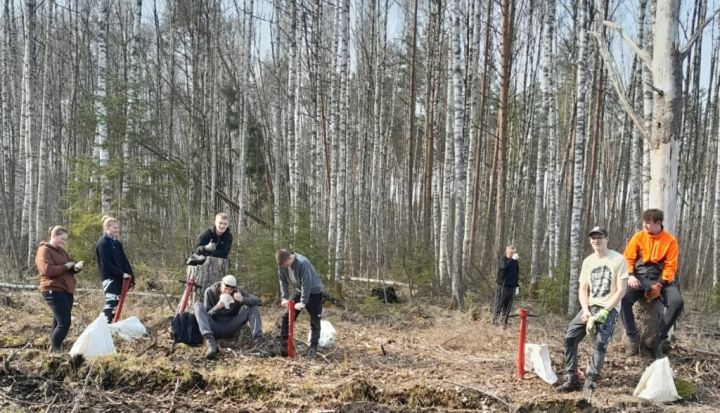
281 256
652 215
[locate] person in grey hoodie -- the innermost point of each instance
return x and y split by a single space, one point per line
296 269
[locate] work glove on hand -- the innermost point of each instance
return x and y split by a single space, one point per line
227 300
238 297
517 290
601 316
69 265
653 292
299 306
78 265
210 247
590 326
284 302
515 256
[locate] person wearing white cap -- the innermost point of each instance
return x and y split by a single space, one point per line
224 311
603 281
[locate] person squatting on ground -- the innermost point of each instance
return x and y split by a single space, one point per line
57 283
224 311
216 240
296 269
603 281
652 260
507 284
113 265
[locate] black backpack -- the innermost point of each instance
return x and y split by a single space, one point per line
185 329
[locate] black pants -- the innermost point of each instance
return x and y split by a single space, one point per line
504 297
61 304
671 299
314 308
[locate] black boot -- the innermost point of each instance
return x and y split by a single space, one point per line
212 346
631 347
570 384
312 352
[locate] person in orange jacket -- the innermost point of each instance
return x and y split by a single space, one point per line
652 262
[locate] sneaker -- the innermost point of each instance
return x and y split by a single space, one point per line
571 384
589 388
631 346
212 347
312 353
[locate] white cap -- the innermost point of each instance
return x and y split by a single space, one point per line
229 281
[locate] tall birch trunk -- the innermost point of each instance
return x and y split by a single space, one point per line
458 294
716 214
545 134
28 117
444 262
576 243
101 151
342 141
648 105
45 170
277 128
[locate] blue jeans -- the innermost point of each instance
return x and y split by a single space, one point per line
61 304
576 332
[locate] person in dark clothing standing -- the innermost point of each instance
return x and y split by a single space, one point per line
507 284
296 269
216 240
57 283
113 265
224 311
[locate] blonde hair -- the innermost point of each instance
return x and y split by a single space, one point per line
222 215
107 221
57 230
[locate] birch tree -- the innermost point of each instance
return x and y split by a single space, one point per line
28 132
577 200
101 154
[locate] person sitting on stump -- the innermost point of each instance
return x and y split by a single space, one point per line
603 281
224 311
296 269
216 240
652 260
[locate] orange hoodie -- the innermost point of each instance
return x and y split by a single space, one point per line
50 262
655 249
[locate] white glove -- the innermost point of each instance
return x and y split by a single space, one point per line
517 290
299 306
227 300
238 297
210 247
516 256
284 302
78 265
126 275
69 265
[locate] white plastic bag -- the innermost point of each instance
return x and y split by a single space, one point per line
327 334
537 360
657 384
128 329
95 341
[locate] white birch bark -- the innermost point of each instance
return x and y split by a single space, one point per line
342 139
716 214
457 81
243 102
276 129
132 112
576 244
8 135
444 263
292 120
546 134
42 177
635 183
28 117
647 106
333 147
100 151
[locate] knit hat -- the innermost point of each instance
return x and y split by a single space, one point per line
229 281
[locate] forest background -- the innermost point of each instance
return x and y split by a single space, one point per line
404 140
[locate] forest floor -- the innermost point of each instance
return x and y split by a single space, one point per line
403 358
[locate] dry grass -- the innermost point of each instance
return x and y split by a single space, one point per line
404 358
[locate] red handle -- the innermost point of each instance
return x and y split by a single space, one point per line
521 343
186 295
291 329
118 310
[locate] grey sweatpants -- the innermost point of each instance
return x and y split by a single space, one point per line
576 332
227 327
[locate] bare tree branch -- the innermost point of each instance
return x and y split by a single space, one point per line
685 50
619 89
641 54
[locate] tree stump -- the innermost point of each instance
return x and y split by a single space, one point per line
647 318
209 272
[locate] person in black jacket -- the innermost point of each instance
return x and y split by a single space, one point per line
224 311
216 240
113 265
507 284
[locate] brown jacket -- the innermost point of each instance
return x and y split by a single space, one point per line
50 262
